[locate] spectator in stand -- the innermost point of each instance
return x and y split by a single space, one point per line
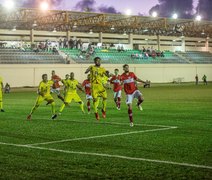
60 43
204 78
144 50
71 43
54 50
197 79
162 54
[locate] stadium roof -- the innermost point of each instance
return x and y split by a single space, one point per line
26 19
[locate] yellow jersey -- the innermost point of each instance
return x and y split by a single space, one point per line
44 88
64 81
72 86
96 74
104 79
1 83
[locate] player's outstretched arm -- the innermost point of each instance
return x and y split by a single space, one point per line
87 70
80 88
139 80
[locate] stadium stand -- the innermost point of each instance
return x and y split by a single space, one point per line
16 56
198 57
112 56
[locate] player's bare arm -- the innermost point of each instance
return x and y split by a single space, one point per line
87 70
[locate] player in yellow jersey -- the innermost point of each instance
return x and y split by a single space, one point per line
44 94
1 94
64 81
71 86
97 88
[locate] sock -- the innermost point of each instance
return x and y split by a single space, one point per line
104 103
130 115
89 106
62 107
95 105
53 107
34 108
139 102
119 102
82 106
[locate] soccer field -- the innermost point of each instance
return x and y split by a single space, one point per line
171 139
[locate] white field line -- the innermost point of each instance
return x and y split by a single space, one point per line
111 156
107 121
101 136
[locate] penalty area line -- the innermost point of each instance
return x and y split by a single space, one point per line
101 136
110 122
111 156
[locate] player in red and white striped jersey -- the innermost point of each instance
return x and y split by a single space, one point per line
129 80
116 81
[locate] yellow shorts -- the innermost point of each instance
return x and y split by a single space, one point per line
98 90
0 95
72 96
47 97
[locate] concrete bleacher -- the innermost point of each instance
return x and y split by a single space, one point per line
198 57
112 56
16 56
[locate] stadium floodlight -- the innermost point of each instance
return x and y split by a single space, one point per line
124 33
14 28
9 4
154 14
203 32
128 12
198 18
91 31
34 24
175 16
54 30
75 25
112 28
44 6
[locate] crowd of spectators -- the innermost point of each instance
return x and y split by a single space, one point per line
146 53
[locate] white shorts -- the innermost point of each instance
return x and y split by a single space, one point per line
130 97
56 91
117 94
88 97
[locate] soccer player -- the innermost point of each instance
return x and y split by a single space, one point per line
44 94
116 81
97 88
56 86
87 85
64 81
129 80
1 95
71 93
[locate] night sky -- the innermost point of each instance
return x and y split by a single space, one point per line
165 8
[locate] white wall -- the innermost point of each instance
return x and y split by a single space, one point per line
30 75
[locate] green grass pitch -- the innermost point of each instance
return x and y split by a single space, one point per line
171 139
